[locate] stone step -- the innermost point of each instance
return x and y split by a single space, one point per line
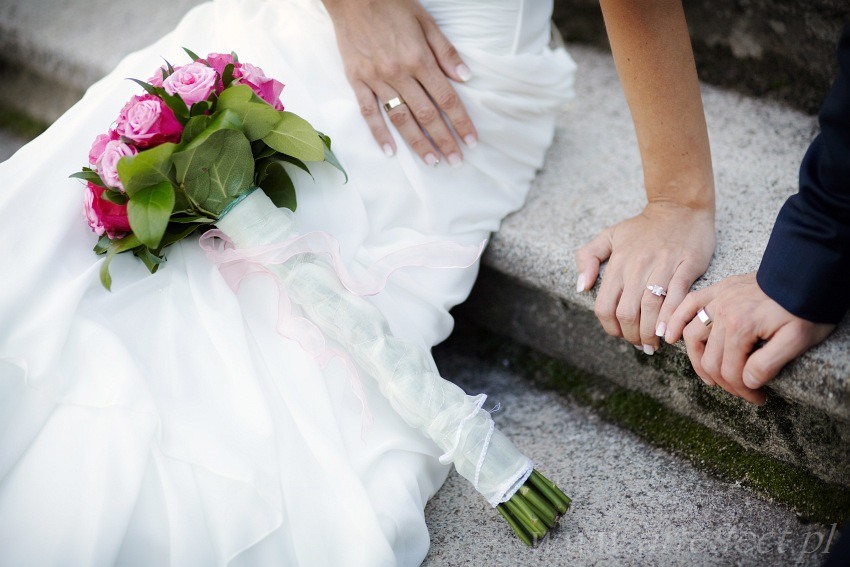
592 179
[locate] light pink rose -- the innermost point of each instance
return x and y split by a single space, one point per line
218 61
104 216
147 121
266 88
193 82
99 145
107 163
156 78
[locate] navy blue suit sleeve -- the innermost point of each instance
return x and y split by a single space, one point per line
806 265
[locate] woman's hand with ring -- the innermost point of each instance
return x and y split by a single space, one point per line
653 259
393 49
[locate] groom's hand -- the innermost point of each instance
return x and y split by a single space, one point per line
393 49
749 339
667 245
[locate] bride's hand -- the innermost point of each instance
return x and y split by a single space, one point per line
393 48
666 245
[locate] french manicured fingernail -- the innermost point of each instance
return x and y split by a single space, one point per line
431 159
463 72
707 381
648 349
751 382
640 348
582 281
455 160
388 150
660 329
470 141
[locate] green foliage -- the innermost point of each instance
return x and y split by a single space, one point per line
230 142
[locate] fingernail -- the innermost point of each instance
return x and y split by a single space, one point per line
582 281
463 72
431 159
648 349
660 329
707 381
470 141
640 348
751 382
455 160
388 150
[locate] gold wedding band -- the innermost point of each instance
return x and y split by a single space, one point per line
703 317
393 103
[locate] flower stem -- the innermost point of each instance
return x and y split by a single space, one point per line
535 508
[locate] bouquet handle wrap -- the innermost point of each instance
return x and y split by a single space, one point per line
406 377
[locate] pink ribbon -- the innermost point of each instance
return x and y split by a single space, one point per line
236 264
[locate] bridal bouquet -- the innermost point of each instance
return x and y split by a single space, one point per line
192 152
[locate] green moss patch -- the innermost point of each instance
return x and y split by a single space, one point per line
708 450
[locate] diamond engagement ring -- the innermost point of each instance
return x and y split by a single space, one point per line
393 103
703 317
657 290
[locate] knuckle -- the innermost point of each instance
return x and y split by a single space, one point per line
421 146
399 118
627 315
603 312
425 115
446 99
368 110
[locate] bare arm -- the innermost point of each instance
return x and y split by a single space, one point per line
671 242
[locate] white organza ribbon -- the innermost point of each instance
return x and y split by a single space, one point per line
262 241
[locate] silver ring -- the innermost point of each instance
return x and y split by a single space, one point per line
703 317
393 103
657 290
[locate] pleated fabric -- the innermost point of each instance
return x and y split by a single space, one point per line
167 422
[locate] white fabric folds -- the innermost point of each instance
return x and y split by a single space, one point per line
434 406
168 422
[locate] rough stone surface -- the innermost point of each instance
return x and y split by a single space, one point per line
591 180
632 504
781 49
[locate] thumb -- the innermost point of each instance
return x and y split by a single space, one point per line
763 365
588 259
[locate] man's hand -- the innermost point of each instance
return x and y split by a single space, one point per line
749 339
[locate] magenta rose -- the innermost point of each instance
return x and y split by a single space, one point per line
156 78
147 121
107 163
193 82
104 216
99 145
266 88
218 61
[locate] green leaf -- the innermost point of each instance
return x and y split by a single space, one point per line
89 175
276 183
102 245
146 168
148 212
148 258
224 120
294 136
296 162
176 104
216 170
330 157
172 236
196 219
257 116
114 196
261 150
149 88
115 247
227 74
191 54
194 127
200 108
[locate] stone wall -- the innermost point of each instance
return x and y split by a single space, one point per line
779 49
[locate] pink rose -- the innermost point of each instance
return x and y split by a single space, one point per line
218 61
147 121
99 145
193 82
156 78
266 88
104 216
107 163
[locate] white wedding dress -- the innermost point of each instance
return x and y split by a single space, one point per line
167 422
